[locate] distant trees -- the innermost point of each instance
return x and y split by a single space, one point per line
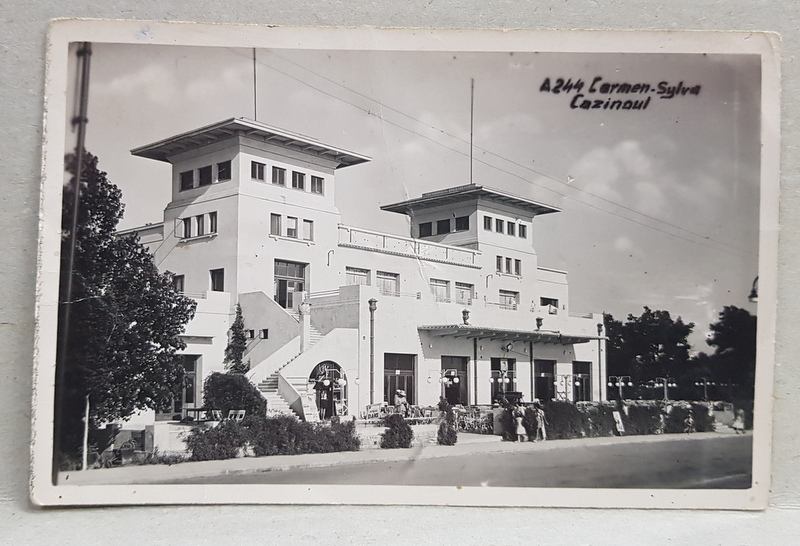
733 362
120 351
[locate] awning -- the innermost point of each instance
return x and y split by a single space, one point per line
469 331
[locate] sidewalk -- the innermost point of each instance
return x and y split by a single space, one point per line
468 444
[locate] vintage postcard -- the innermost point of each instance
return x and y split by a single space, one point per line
387 266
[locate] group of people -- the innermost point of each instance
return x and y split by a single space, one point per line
518 412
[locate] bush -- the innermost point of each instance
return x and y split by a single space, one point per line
447 435
399 433
227 391
642 420
564 420
703 422
599 421
217 443
676 420
508 425
287 435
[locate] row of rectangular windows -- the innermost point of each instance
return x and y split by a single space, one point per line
216 278
509 265
505 226
293 226
205 175
444 226
197 226
258 172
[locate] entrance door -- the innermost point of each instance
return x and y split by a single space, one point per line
330 385
289 280
398 373
454 375
504 377
544 377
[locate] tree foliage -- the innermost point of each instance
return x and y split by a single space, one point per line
227 391
648 346
237 345
124 316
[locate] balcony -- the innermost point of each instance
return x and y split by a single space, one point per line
405 246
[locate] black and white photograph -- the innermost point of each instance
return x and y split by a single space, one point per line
386 267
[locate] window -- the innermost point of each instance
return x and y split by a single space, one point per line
279 176
224 171
487 223
508 299
425 229
212 222
298 180
250 334
523 231
257 170
518 267
582 381
544 374
462 223
217 280
499 264
206 175
187 180
187 228
511 229
291 227
263 333
508 265
354 275
275 224
443 226
388 283
498 226
178 283
201 225
317 184
465 293
440 289
551 304
504 377
308 230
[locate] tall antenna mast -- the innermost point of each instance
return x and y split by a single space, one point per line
471 124
255 92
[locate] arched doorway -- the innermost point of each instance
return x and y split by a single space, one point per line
330 385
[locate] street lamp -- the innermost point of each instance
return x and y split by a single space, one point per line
704 382
566 381
447 378
504 379
620 381
665 382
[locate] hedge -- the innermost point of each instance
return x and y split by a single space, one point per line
398 433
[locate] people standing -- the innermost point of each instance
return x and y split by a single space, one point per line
401 402
522 434
541 421
738 421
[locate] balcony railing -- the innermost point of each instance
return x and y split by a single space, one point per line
406 246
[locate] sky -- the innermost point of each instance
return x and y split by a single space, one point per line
659 205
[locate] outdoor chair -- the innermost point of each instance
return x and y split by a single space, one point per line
236 415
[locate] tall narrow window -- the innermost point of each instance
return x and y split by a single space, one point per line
508 265
298 180
206 175
308 230
257 170
187 228
465 293
487 223
201 225
499 264
523 231
462 223
291 227
355 275
498 226
518 267
317 184
217 280
178 283
511 229
279 176
443 226
275 224
212 222
440 289
388 283
425 229
187 180
224 171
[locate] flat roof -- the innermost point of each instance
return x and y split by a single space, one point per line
470 192
164 149
488 332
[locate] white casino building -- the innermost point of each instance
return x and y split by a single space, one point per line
459 307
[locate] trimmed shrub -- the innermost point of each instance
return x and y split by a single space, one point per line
278 435
227 391
642 420
564 420
599 421
399 433
447 435
220 442
703 422
676 420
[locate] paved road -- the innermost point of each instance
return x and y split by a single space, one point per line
717 463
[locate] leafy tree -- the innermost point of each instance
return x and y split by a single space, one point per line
124 317
237 345
733 337
227 391
648 346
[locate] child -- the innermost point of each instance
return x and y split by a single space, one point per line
522 434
